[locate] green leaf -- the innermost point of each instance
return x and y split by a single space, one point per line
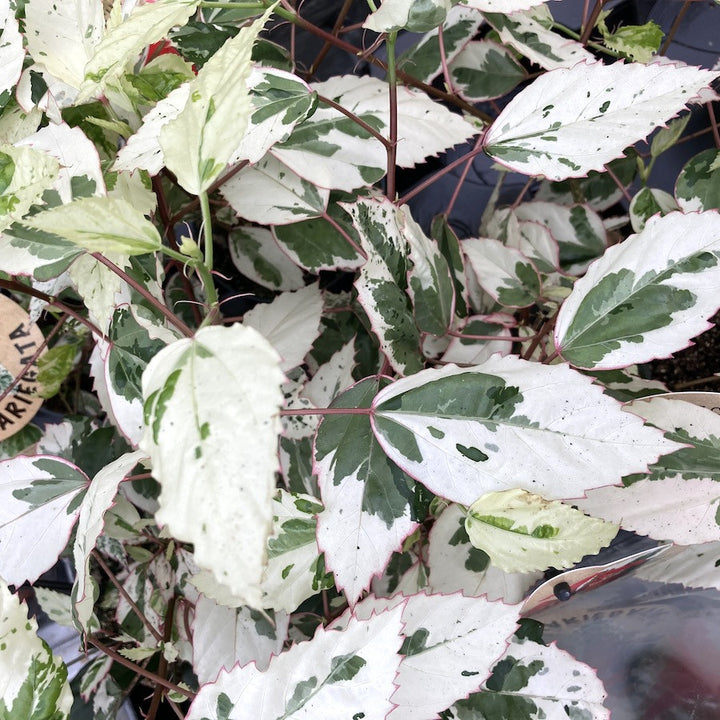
99 224
449 245
648 202
544 130
635 303
523 532
33 684
367 497
666 137
637 42
216 398
463 432
54 366
198 143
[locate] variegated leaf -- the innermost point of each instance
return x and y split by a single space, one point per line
544 130
577 229
121 43
295 569
62 36
99 224
216 397
484 70
698 184
199 142
533 682
382 280
98 499
408 15
40 503
33 682
522 532
648 202
330 150
492 427
12 52
332 377
449 245
507 275
507 7
471 350
529 31
367 497
430 284
337 674
683 511
224 637
290 323
270 193
451 643
693 425
424 60
257 256
646 297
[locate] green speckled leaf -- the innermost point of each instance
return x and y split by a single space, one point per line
484 70
698 184
463 432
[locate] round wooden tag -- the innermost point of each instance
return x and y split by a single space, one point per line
19 341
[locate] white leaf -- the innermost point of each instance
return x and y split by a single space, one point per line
683 511
336 675
571 121
224 637
270 193
62 35
522 532
122 43
451 644
12 53
510 423
332 377
211 406
98 499
507 7
33 681
198 143
545 678
77 156
290 323
38 510
646 297
142 150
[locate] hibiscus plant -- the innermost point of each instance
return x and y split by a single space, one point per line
311 452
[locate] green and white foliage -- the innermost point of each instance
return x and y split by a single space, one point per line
634 305
544 130
367 497
697 184
193 390
535 681
339 673
41 498
33 682
649 202
490 428
529 32
483 70
522 532
12 52
98 499
224 637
